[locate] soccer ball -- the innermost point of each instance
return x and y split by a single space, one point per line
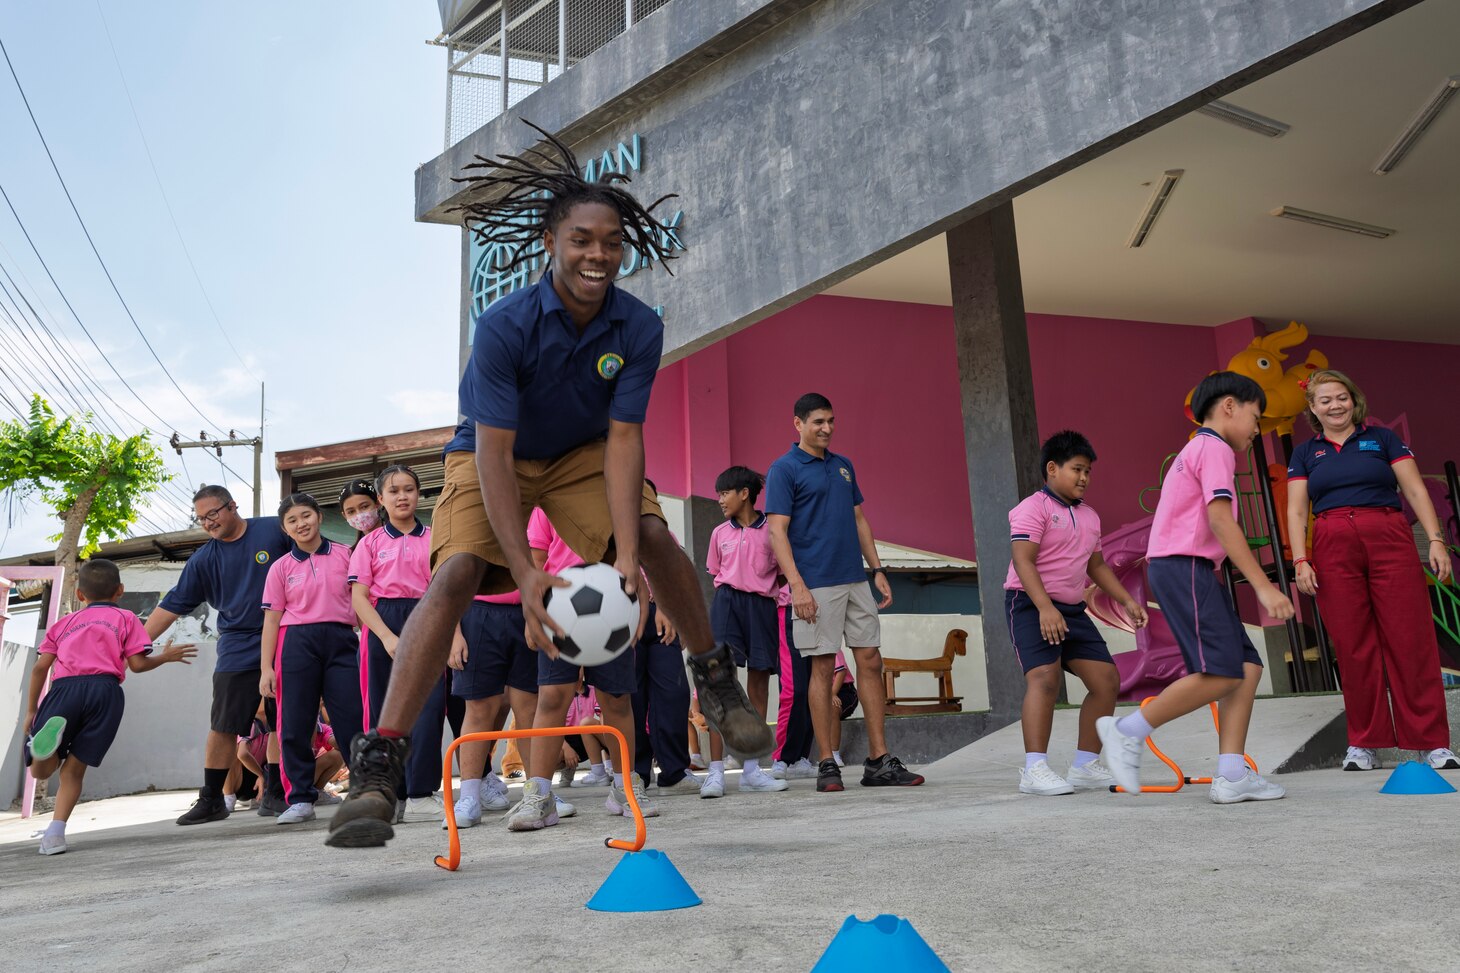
597 617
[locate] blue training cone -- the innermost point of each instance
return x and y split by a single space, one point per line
886 944
643 881
1416 777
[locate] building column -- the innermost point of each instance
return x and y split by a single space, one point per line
1000 435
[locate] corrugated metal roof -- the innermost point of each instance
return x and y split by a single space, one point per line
896 557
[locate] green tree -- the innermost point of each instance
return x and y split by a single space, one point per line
91 479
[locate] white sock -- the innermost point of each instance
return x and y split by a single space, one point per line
1083 757
618 781
543 786
608 764
595 770
697 759
471 789
1031 758
230 801
55 829
717 767
837 756
751 765
1231 766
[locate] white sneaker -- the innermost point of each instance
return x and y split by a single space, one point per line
326 798
802 769
430 808
537 810
1042 780
468 814
565 810
594 778
714 785
778 770
759 780
53 844
1360 758
494 794
616 803
1094 776
296 814
1444 759
689 784
1252 787
731 762
1122 754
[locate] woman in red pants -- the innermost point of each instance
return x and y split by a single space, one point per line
1365 573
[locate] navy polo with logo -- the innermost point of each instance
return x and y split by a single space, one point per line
532 372
820 496
230 575
1358 472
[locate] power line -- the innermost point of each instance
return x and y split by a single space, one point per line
105 270
126 89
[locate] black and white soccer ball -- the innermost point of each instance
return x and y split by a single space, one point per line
598 618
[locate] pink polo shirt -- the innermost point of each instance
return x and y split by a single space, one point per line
542 537
95 641
1067 534
1205 470
741 557
311 588
391 564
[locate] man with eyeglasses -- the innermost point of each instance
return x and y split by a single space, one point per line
228 573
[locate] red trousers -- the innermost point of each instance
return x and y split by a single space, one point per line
1372 594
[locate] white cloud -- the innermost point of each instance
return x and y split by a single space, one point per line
430 407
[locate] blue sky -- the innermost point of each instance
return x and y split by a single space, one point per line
285 141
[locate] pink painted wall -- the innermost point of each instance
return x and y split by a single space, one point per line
889 370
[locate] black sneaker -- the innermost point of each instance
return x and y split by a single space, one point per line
208 807
272 805
725 706
829 777
377 771
888 771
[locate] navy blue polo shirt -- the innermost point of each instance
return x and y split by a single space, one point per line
531 371
230 575
464 440
820 496
1356 473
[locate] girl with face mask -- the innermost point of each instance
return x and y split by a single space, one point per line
360 506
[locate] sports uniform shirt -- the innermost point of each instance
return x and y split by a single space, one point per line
531 371
1356 473
95 641
741 557
1205 470
229 575
311 588
392 564
820 496
1067 534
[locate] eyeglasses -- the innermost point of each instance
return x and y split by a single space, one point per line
212 515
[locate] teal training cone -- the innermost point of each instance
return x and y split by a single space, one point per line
886 944
1414 777
643 881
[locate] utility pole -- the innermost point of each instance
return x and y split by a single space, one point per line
203 442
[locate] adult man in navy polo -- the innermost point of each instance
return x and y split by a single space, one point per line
820 537
228 573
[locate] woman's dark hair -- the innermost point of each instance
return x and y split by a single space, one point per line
740 478
1062 447
809 403
358 488
533 192
1218 385
297 500
384 477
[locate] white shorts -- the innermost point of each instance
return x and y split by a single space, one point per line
843 611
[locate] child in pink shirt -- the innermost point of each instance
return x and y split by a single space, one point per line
1194 530
89 653
309 649
1055 538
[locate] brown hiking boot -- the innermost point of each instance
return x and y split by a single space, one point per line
377 769
725 706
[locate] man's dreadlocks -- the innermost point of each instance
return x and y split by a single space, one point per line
540 190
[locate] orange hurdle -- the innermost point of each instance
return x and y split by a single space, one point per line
1181 779
452 858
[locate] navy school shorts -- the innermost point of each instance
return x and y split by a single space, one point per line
617 678
1082 640
497 655
92 706
748 623
1200 614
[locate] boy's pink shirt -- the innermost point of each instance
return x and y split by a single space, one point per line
1066 534
1205 470
313 588
95 641
742 557
542 537
391 564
